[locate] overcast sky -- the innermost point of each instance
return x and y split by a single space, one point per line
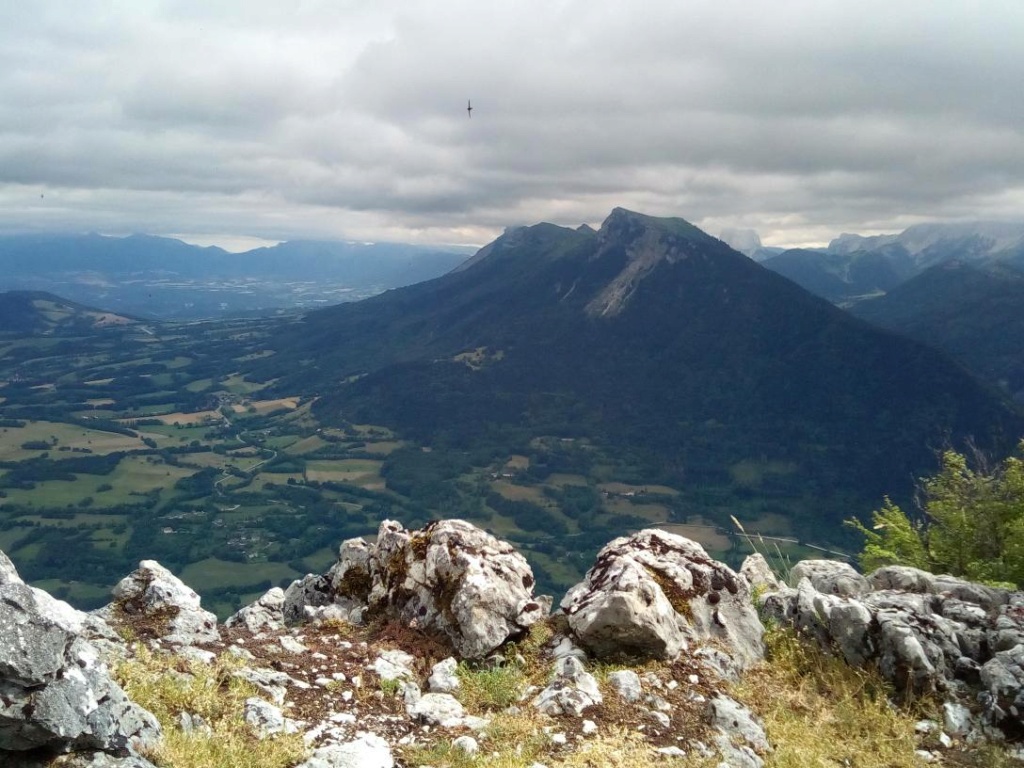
269 119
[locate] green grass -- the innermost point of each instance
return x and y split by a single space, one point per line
66 435
160 684
133 474
818 711
237 385
356 471
199 385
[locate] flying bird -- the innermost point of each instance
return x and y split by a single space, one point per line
469 107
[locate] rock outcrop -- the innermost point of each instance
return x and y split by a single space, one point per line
163 605
927 634
654 594
450 577
649 595
56 694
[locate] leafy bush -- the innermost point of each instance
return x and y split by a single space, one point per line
972 524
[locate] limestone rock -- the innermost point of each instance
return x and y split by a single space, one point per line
170 609
830 577
394 665
55 692
902 578
738 723
928 635
1002 677
653 593
443 678
437 709
572 690
366 751
454 578
759 574
8 573
76 760
626 683
264 615
266 719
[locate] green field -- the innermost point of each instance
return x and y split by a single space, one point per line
59 435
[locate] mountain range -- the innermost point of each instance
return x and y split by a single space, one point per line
655 338
160 277
855 267
646 340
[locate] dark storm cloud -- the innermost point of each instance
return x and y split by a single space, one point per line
801 119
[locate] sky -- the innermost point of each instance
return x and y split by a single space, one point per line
238 122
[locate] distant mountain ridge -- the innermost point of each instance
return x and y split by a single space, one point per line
855 267
957 287
657 338
38 312
164 277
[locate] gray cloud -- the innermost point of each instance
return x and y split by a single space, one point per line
801 119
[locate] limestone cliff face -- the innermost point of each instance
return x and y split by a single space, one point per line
647 242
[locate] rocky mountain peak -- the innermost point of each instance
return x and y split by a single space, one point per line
647 242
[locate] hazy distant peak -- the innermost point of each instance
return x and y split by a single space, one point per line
746 241
849 243
995 235
989 237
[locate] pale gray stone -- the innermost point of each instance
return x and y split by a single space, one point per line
266 719
291 645
153 591
466 744
443 678
902 578
830 577
653 594
367 751
8 573
75 760
55 691
759 574
626 683
394 665
437 709
572 690
264 615
738 723
454 578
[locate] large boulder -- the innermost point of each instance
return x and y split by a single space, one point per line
454 578
450 577
652 594
55 692
156 602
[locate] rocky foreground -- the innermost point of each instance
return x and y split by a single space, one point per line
365 663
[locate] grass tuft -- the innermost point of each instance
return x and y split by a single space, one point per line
819 711
487 689
168 686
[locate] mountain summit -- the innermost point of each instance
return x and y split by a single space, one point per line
650 337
